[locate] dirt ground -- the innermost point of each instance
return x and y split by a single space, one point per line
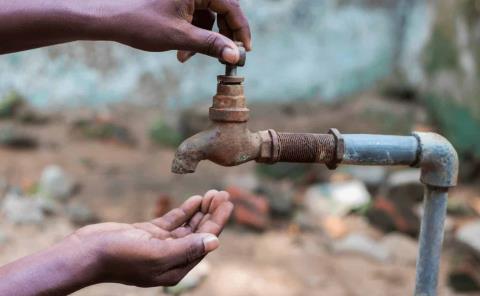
121 184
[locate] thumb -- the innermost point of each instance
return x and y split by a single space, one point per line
188 249
211 43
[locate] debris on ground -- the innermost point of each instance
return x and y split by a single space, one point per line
463 274
20 209
14 138
250 210
103 128
389 216
395 207
404 186
337 198
469 235
55 183
194 278
362 245
280 196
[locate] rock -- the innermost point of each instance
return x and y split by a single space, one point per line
280 196
389 216
19 209
250 210
55 183
337 198
404 186
362 245
196 276
469 235
80 215
395 207
402 248
463 275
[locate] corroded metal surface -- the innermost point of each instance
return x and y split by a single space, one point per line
438 160
300 147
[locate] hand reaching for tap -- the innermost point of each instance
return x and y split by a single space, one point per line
151 25
155 253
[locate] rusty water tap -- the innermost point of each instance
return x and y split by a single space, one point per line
229 142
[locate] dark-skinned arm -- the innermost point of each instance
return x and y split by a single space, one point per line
155 253
151 25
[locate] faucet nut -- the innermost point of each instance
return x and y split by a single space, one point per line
269 148
339 148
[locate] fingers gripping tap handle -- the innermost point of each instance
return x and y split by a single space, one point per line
231 69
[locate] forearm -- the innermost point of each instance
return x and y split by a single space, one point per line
59 270
30 24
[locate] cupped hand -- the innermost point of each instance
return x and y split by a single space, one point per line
162 251
184 25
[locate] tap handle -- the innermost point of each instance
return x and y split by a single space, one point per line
231 69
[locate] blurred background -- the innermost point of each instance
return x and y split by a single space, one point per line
88 132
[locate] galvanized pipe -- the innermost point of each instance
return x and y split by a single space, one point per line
364 149
431 239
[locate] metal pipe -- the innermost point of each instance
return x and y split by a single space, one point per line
431 239
364 149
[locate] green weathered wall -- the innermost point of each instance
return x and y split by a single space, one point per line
451 61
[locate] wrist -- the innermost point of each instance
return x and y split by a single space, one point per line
59 270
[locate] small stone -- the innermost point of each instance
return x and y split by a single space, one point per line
469 235
55 183
337 198
362 245
250 210
389 216
19 209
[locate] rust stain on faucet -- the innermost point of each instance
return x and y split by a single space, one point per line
229 142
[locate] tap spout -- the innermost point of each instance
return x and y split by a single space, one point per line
226 144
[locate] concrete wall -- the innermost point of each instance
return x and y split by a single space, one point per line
303 49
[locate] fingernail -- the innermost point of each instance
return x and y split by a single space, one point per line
184 56
210 243
230 55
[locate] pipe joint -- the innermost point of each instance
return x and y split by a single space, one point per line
438 160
